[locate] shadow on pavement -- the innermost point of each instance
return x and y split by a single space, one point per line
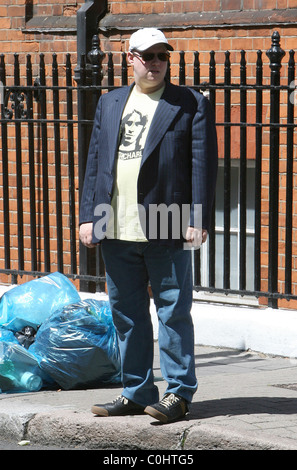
243 406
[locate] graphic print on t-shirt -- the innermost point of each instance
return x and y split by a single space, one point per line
132 135
134 129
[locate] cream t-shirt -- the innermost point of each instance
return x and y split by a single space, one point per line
135 123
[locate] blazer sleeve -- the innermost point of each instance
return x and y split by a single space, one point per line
86 212
204 162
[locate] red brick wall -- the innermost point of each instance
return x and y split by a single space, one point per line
18 36
23 31
176 6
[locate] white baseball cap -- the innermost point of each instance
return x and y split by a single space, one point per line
145 38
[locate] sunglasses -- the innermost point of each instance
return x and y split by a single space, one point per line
148 56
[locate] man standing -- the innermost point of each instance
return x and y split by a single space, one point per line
153 146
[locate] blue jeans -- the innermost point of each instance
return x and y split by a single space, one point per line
129 268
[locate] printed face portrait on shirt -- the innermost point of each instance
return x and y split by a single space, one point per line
132 128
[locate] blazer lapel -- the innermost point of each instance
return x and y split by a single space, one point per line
115 117
166 111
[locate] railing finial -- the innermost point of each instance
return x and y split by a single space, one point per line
275 54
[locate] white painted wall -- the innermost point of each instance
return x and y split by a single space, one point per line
264 329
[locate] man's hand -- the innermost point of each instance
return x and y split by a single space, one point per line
86 233
196 236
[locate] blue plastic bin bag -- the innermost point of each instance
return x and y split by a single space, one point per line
8 336
78 347
19 369
29 304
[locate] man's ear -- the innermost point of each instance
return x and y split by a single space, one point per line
130 57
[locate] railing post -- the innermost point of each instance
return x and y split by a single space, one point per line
87 20
182 68
258 170
95 57
243 173
5 172
290 177
88 17
275 55
212 236
227 170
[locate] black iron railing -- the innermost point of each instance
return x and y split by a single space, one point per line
45 131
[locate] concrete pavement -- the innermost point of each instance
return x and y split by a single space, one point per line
245 400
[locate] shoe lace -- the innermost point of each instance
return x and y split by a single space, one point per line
124 400
169 400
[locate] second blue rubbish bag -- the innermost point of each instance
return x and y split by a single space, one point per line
78 346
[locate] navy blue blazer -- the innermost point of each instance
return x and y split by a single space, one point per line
179 161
